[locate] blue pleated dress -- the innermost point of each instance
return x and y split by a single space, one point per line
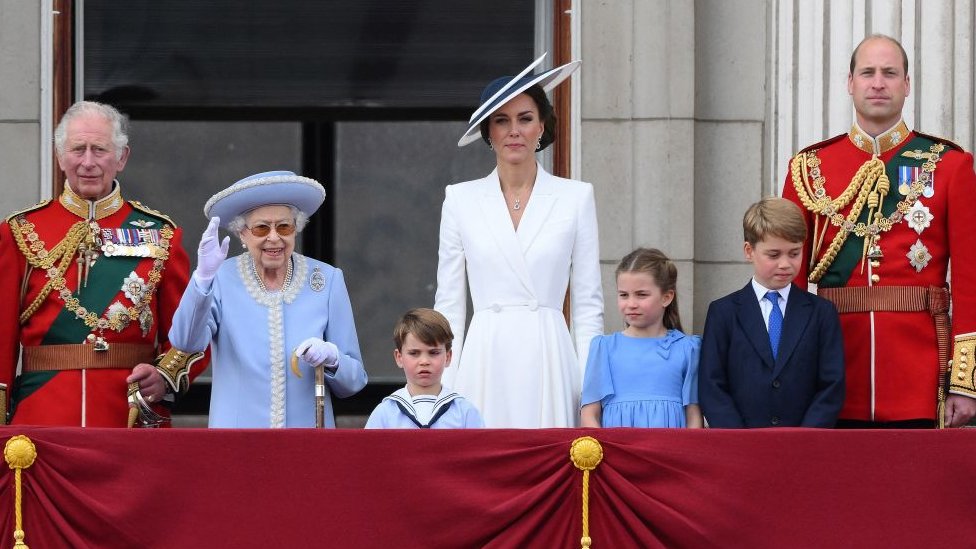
642 381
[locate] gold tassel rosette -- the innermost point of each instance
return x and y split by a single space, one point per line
19 452
586 453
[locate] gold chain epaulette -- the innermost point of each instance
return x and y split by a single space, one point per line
39 257
146 209
29 209
962 378
869 185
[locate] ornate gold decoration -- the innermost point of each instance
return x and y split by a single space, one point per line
19 453
962 378
883 142
39 257
586 453
174 365
868 187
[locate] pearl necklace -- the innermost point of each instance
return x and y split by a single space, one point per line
288 274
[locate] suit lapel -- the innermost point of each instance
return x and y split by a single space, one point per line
499 224
544 197
794 324
751 320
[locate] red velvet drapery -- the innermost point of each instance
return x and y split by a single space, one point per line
492 488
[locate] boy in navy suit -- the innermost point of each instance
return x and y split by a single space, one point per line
772 353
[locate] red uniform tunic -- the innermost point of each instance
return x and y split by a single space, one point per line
892 361
116 284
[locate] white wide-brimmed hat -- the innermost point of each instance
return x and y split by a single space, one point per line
265 189
502 90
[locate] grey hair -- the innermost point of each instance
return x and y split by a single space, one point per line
236 225
120 125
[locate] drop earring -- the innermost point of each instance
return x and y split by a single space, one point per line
490 147
538 144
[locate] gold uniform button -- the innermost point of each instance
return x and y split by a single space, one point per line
961 375
875 278
875 263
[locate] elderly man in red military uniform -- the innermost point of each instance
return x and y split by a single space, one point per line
888 208
89 285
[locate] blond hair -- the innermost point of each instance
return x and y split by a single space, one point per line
427 325
774 216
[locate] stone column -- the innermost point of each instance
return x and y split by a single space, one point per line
637 133
20 108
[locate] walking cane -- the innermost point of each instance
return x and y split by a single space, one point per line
320 396
319 389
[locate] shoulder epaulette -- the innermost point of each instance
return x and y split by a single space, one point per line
823 143
37 206
938 139
147 210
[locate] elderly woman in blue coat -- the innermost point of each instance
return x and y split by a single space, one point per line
267 308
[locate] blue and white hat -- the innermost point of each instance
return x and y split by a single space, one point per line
265 189
502 90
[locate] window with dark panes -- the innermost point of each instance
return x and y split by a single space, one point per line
367 96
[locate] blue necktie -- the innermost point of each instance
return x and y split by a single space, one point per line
775 321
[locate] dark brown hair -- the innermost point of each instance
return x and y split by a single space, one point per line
653 262
427 325
546 114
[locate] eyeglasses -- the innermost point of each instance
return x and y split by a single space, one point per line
263 229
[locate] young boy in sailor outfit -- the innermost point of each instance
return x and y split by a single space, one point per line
423 350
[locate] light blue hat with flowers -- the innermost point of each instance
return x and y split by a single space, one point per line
265 189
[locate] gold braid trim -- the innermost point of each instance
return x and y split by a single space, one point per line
962 378
38 257
174 365
869 184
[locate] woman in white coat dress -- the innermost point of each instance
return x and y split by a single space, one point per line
519 238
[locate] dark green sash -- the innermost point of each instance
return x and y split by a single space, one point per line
850 254
104 284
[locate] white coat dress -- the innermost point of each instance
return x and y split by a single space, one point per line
517 362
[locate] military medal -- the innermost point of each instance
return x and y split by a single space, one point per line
134 288
919 256
317 280
919 217
131 242
906 175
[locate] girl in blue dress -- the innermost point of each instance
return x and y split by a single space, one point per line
646 375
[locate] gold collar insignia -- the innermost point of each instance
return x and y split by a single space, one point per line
88 209
888 140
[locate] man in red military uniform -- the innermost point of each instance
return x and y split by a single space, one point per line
888 208
88 286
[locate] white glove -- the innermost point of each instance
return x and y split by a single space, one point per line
210 255
315 351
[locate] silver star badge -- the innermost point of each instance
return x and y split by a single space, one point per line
919 256
919 217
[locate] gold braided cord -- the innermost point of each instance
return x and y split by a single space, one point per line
19 453
38 257
870 184
586 453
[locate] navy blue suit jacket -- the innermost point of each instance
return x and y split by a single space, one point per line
739 383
